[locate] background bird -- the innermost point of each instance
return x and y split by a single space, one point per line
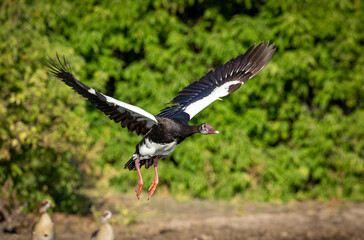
44 228
169 128
105 232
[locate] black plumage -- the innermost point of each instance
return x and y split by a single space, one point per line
62 70
170 127
239 69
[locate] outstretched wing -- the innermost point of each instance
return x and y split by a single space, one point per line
225 80
131 117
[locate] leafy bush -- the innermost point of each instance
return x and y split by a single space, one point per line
293 132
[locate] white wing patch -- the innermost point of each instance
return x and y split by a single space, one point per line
92 91
135 111
216 94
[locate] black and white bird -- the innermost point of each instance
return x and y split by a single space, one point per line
170 127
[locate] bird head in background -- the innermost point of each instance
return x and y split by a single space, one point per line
44 205
105 216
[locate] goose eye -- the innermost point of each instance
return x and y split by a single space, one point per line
204 129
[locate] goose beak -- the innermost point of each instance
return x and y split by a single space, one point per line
213 131
210 130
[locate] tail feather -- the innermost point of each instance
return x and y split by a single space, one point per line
131 163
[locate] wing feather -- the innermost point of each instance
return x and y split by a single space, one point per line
223 81
130 116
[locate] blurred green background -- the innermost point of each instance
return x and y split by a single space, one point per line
294 132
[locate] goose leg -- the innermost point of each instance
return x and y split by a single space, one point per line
155 182
139 187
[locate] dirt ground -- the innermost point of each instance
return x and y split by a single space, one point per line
166 218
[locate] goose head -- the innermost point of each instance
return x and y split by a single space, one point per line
44 205
206 128
105 216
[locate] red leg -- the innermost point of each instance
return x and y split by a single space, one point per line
155 182
139 187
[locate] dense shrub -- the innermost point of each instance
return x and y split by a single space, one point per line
293 132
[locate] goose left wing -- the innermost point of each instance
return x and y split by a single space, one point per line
219 83
94 234
130 116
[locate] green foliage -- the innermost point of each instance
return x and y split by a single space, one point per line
42 148
293 132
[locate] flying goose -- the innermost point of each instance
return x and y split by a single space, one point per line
163 132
